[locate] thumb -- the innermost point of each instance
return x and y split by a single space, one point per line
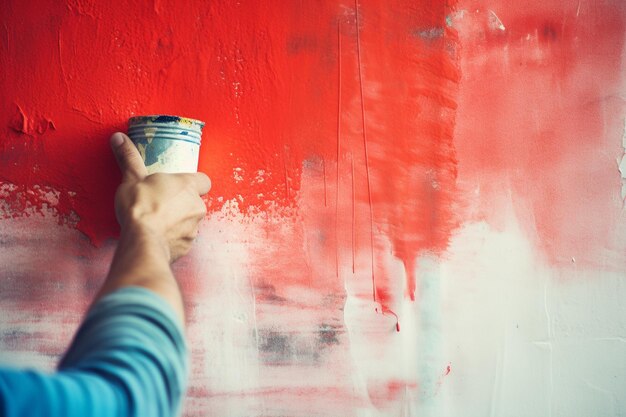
128 158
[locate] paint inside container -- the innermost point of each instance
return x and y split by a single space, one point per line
168 144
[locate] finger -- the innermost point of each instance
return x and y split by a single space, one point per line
201 182
128 158
187 229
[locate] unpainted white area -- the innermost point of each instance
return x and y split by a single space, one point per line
520 338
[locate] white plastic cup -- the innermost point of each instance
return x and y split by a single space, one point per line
168 144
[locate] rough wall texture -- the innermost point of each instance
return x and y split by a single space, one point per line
418 206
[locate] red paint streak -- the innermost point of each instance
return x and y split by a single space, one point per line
337 155
405 96
367 165
353 216
448 369
541 119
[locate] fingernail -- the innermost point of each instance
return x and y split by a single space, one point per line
117 139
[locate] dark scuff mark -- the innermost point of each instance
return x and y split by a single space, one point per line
549 32
273 341
280 348
327 335
14 340
275 347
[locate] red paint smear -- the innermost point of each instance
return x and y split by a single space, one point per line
541 118
400 78
387 394
237 68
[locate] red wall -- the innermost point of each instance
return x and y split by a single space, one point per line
271 80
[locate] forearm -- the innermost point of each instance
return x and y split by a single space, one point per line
128 358
142 259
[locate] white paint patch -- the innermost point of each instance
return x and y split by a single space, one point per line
521 339
38 200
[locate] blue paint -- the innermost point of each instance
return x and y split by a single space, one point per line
157 133
154 149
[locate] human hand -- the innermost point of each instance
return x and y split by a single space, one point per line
165 206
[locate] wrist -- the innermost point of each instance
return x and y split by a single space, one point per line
142 253
142 258
140 237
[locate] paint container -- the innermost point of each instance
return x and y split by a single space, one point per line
169 144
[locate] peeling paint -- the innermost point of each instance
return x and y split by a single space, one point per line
33 125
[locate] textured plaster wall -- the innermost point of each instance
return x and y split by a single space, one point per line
418 206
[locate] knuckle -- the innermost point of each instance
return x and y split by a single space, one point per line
155 178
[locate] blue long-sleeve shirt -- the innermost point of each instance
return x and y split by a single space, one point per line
128 358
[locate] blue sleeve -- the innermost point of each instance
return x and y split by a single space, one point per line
128 358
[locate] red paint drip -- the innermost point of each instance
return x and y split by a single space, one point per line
338 150
406 135
364 127
386 311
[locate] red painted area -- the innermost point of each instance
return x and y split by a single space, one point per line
368 94
279 86
541 119
386 396
407 126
